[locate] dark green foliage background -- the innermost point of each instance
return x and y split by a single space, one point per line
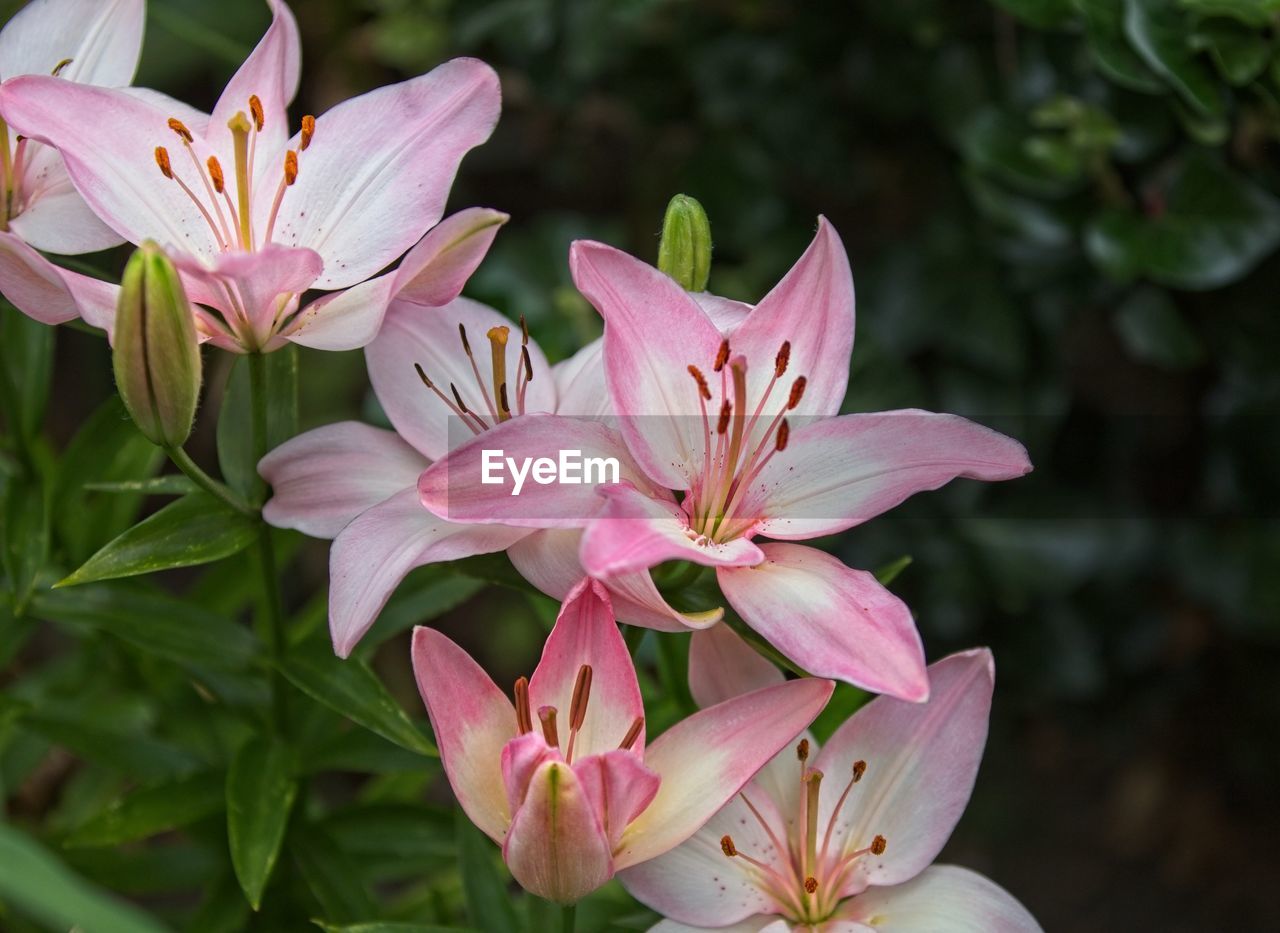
1063 217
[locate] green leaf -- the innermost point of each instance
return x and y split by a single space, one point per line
196 529
351 689
1153 331
1214 228
27 349
1043 14
419 600
331 875
384 926
1240 53
162 625
1257 13
41 886
153 810
171 484
891 571
1160 32
996 143
392 840
1114 56
139 756
488 906
260 793
223 909
235 441
26 536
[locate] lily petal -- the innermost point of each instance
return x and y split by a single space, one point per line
839 472
944 898
580 384
99 40
706 759
830 619
55 218
371 556
556 847
433 273
750 925
725 313
49 293
472 720
921 760
343 320
323 479
378 170
653 332
429 337
619 787
585 633
722 666
634 532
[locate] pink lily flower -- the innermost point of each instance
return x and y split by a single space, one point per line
562 778
254 217
87 41
737 409
357 484
839 839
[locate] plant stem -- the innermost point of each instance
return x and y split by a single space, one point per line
568 917
258 409
219 491
13 414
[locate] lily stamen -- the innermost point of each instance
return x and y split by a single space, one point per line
466 416
578 707
524 717
547 716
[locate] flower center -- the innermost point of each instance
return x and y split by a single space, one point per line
233 227
734 453
577 715
808 885
496 407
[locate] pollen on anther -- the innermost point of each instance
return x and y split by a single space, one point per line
181 129
423 376
797 392
308 131
502 398
703 389
255 111
290 167
162 160
726 411
859 769
727 847
722 356
528 364
878 845
802 750
782 359
811 884
784 433
215 174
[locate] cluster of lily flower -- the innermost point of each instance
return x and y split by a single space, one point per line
724 417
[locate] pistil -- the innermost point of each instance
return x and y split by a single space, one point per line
498 356
240 128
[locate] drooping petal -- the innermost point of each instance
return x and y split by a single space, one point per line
377 173
343 320
942 898
54 217
725 313
556 847
830 619
521 758
429 337
921 760
812 308
95 41
697 884
537 471
839 472
548 559
49 293
763 924
371 556
634 532
653 332
471 720
706 759
619 787
580 385
722 666
433 273
585 633
108 140
323 479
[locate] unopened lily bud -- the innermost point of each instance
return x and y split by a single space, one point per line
684 252
156 355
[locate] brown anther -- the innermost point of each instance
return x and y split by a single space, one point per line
878 845
502 398
722 356
726 410
547 714
423 376
727 847
859 769
528 364
802 750
466 344
255 111
181 129
57 69
632 734
308 131
215 174
524 719
782 359
462 406
290 167
162 160
524 332
811 884
784 433
703 389
797 392
581 696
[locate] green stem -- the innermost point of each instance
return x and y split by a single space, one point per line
13 415
274 614
182 460
258 408
568 917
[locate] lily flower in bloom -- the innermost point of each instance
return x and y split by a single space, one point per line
737 410
839 839
357 484
86 41
253 215
562 779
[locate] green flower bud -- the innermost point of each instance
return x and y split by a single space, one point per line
156 355
684 253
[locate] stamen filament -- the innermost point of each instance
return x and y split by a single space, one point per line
290 176
854 778
461 413
212 185
475 369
